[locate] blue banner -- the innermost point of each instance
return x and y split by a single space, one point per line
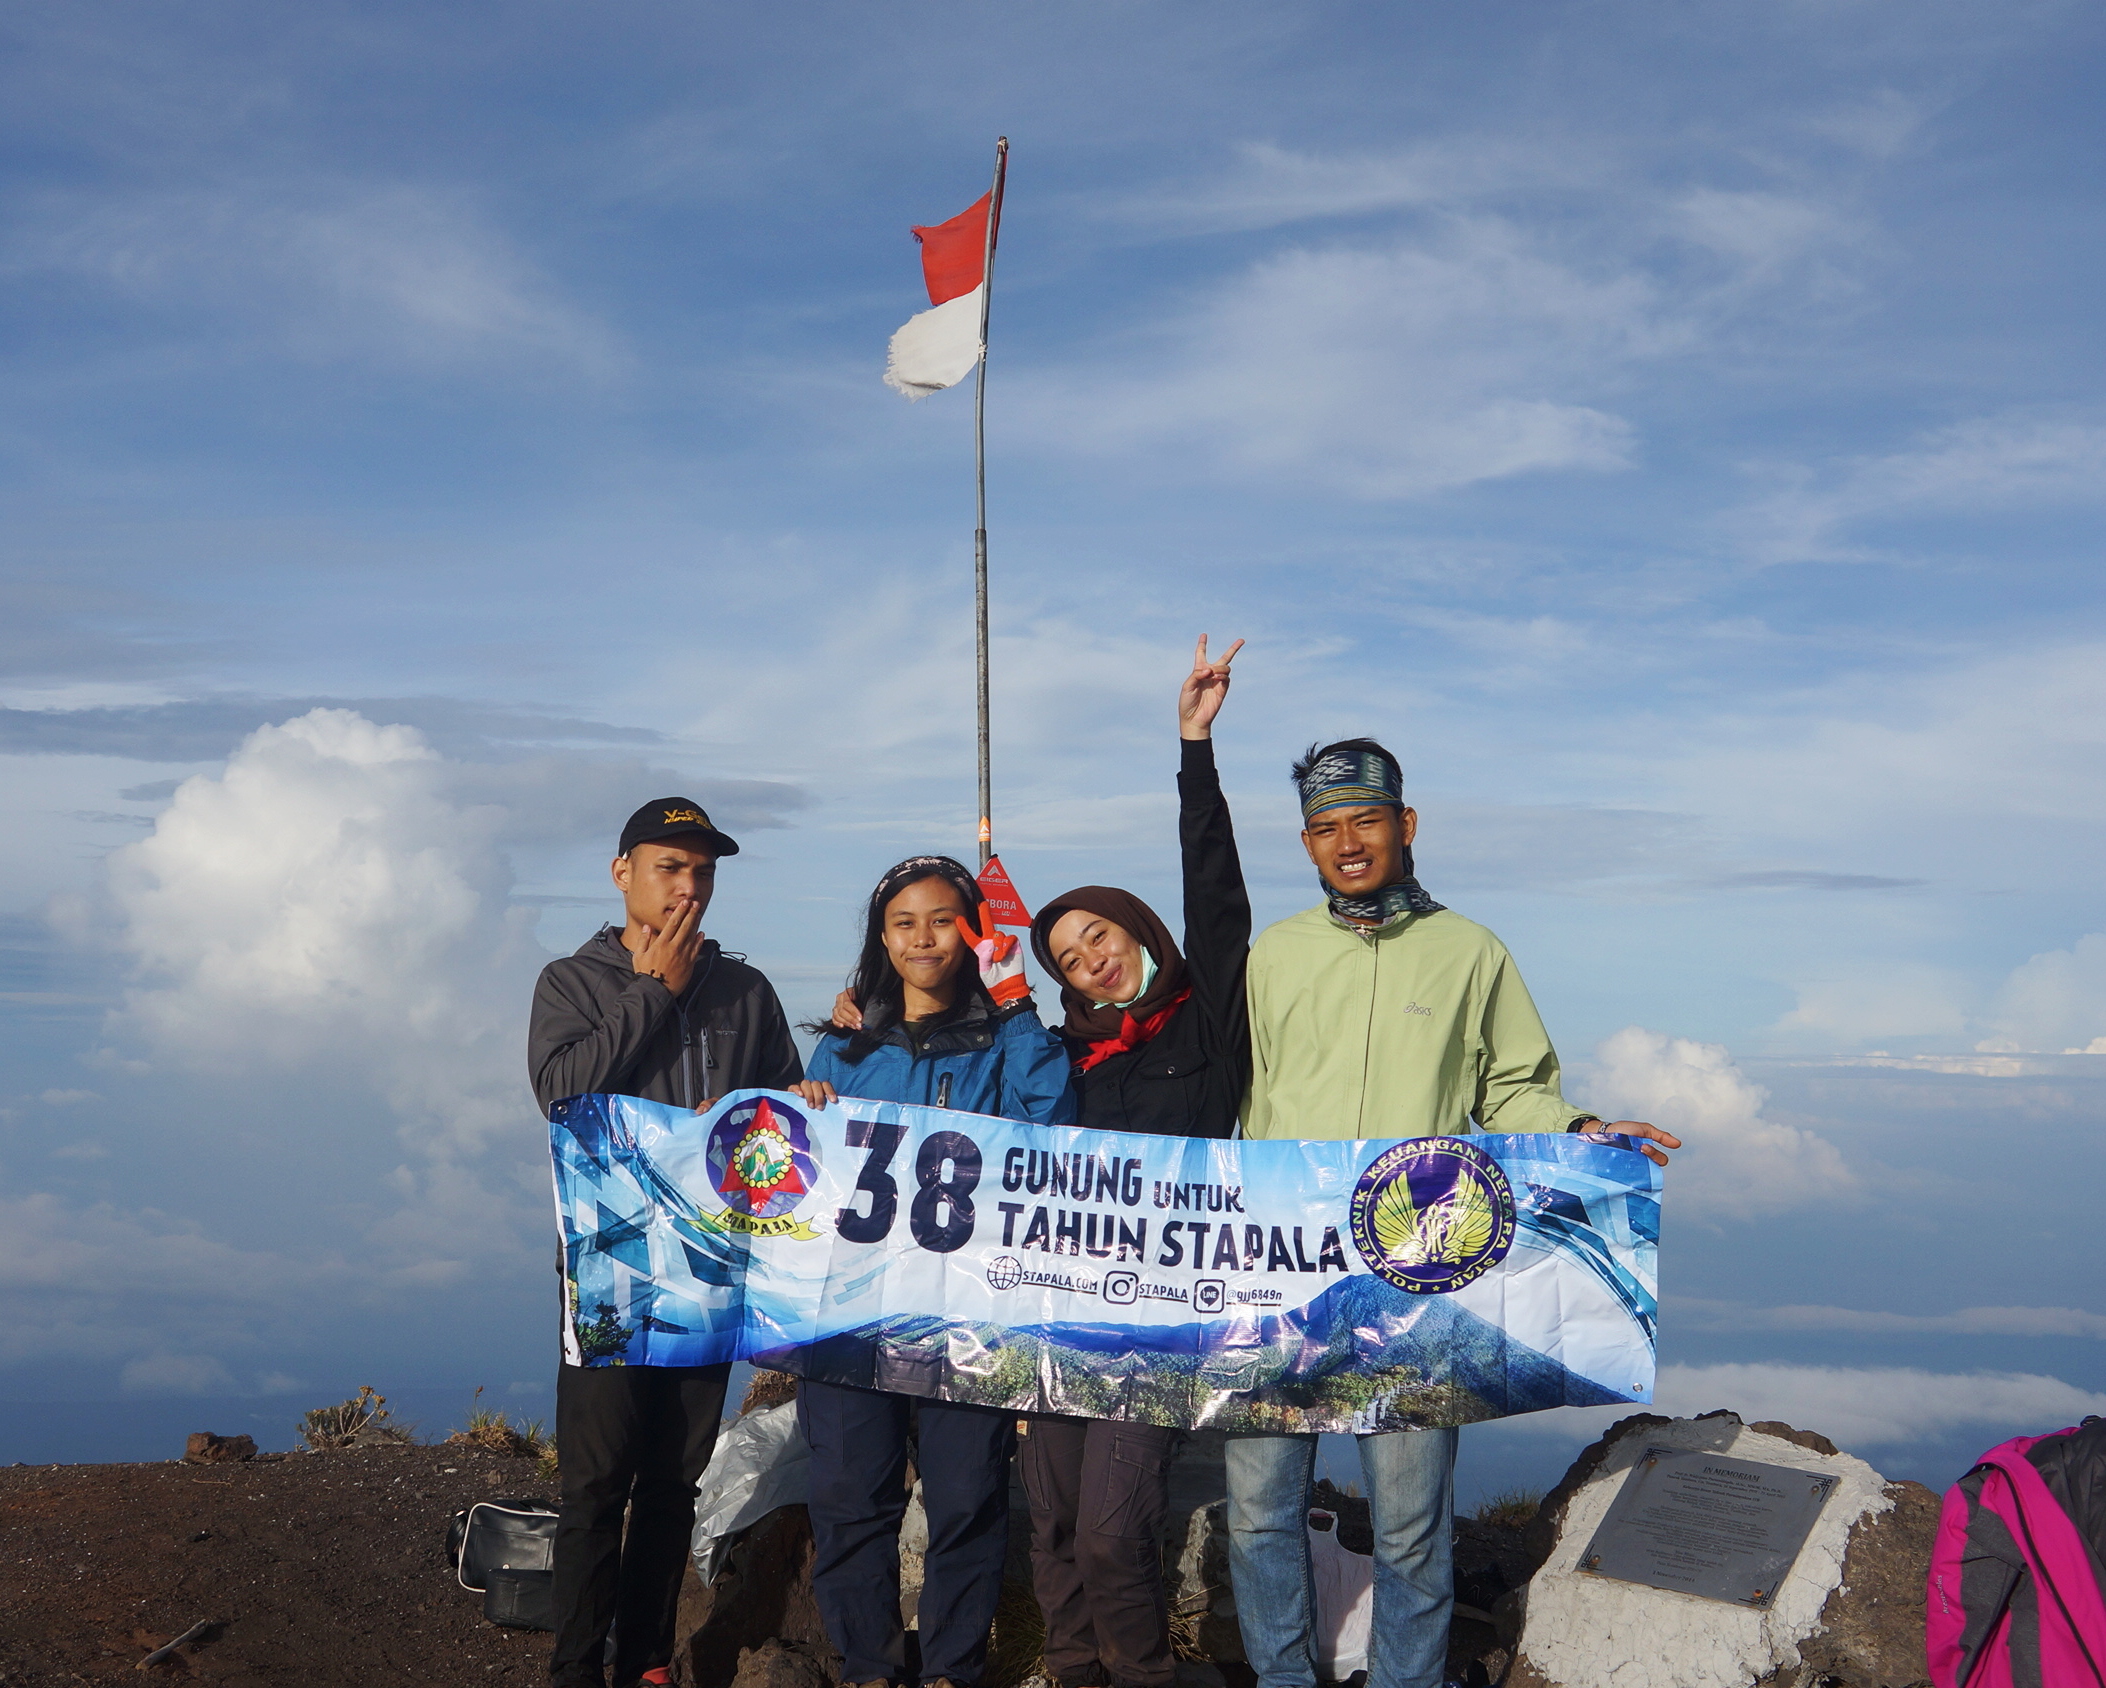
1285 1285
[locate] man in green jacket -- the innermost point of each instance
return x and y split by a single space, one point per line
1378 1013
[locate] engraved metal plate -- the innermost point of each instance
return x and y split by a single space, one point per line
1707 1524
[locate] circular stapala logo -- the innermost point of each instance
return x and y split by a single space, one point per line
1433 1214
760 1161
1004 1271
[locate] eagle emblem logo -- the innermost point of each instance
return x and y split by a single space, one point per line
1432 1214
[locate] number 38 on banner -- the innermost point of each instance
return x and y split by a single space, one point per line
946 1172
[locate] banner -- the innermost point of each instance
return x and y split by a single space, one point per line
1285 1285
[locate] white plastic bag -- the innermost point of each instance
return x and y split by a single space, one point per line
760 1463
1345 1601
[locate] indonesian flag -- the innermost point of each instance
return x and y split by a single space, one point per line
938 348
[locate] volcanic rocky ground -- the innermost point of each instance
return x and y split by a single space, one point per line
322 1570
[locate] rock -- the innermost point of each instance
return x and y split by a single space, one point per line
204 1448
913 1553
763 1594
1490 1561
1848 1615
1201 1600
1872 1627
784 1664
1785 1433
1542 1531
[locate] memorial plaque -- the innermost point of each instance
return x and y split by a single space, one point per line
1707 1524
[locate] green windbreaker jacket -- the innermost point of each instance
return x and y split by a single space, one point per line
1414 1030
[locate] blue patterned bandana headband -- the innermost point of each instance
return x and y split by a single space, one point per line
1355 779
1350 778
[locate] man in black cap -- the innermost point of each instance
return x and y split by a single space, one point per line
654 1010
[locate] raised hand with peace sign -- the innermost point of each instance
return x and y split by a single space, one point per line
1205 689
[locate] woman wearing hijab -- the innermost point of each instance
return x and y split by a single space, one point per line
948 1022
1160 1038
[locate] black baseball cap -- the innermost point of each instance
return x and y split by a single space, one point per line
673 817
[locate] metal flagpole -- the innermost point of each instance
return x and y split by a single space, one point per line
994 217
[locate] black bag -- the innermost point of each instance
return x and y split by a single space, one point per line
521 1600
502 1550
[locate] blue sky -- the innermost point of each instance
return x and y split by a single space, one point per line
1677 431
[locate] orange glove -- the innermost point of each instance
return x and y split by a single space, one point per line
1001 960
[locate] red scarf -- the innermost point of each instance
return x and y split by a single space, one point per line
1132 1033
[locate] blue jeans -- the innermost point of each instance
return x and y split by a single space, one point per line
1409 1476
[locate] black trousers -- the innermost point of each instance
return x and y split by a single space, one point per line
858 1441
634 1440
1100 1492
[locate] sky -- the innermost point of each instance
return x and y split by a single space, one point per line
431 431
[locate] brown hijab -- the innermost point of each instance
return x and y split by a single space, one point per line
1085 1020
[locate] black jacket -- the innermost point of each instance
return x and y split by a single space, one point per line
601 1026
1188 1080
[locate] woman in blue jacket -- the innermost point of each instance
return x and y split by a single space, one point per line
947 1021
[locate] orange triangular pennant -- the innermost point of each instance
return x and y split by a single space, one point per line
1003 903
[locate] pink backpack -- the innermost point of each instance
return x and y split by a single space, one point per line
2016 1580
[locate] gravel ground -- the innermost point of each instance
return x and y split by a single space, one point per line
322 1570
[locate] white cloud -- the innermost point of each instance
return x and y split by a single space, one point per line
1963 1321
1983 464
1734 1163
1052 672
1855 1407
1881 125
84 1150
66 1098
1386 371
1760 231
327 922
1875 1406
1879 1000
84 1282
1899 770
326 903
177 1374
1972 1066
1509 291
392 268
1269 186
1507 845
2054 1002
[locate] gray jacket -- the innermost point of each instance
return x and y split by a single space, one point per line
601 1026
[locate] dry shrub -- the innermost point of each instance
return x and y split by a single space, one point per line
1018 1650
1510 1509
768 1389
360 1422
1184 1634
492 1430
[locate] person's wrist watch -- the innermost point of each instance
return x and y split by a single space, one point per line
1584 1121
